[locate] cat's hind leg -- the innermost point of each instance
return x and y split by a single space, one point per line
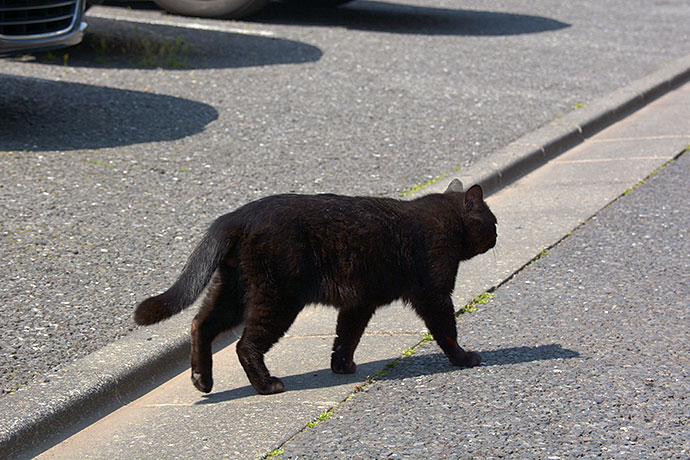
266 322
351 324
221 310
438 314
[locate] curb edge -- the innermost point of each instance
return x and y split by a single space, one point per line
534 149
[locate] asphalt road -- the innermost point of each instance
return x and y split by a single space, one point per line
114 155
586 355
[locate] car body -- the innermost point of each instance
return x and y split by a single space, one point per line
232 9
38 25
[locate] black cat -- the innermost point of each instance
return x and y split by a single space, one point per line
275 255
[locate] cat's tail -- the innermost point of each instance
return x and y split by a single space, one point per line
196 274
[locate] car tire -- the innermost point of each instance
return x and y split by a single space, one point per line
212 8
317 3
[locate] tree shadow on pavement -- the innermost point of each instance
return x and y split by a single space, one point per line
411 366
386 17
130 45
42 115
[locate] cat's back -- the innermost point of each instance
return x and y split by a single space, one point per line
318 210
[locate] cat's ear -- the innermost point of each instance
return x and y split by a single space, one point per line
474 196
454 186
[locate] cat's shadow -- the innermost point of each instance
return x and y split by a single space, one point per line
412 366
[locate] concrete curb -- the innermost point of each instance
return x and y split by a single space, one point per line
101 382
92 387
534 149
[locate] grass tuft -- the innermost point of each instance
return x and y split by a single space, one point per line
418 187
479 300
141 50
325 415
274 453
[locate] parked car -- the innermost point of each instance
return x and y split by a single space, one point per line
233 9
38 25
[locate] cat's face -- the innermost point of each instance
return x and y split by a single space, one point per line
482 230
480 221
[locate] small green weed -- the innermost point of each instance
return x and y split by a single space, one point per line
469 308
386 370
100 163
539 256
417 188
653 173
485 298
141 50
325 415
479 300
50 57
427 337
274 453
164 54
410 351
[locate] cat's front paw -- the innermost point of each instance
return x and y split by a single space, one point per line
473 359
467 359
202 384
272 386
340 366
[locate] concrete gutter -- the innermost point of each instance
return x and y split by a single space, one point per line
83 392
91 387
